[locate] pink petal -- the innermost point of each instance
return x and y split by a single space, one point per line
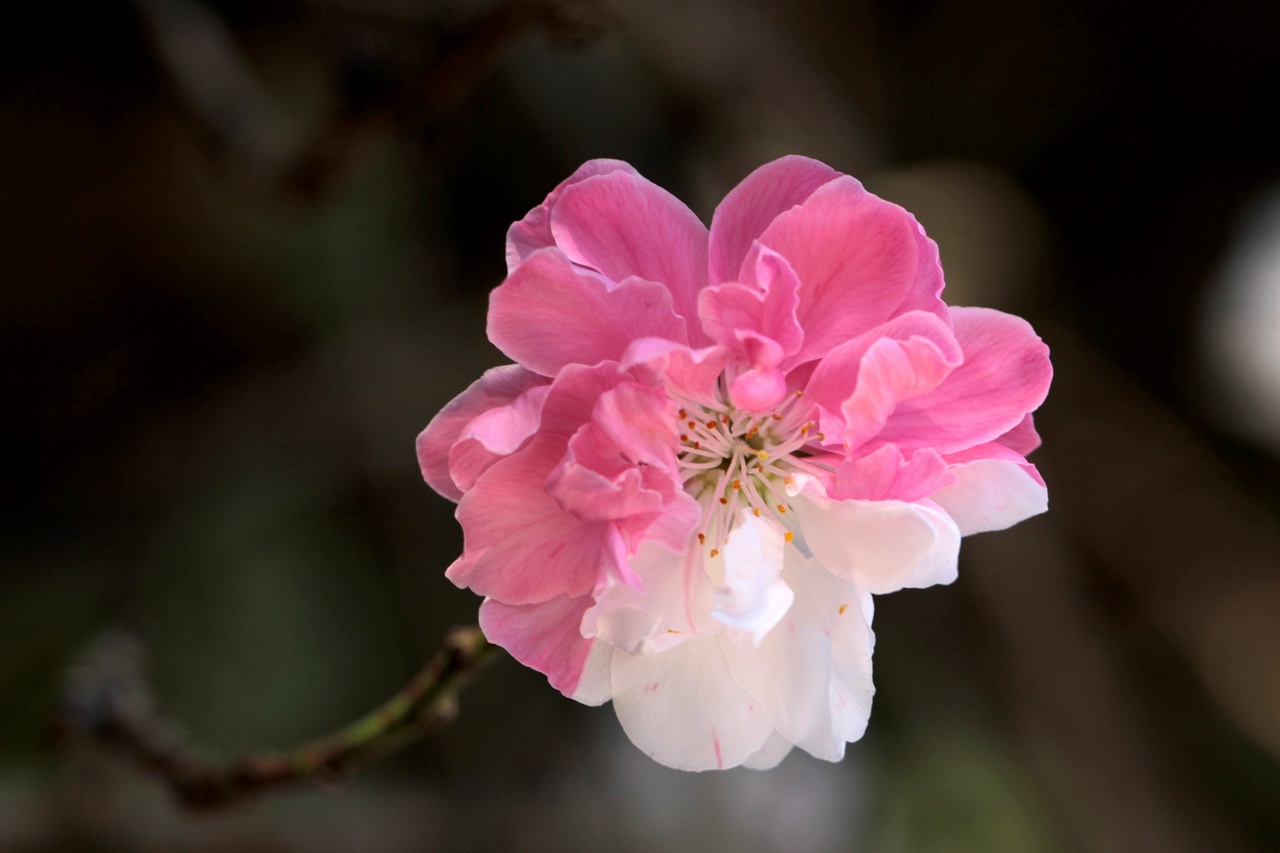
494 434
682 708
763 304
758 390
573 396
860 261
693 374
865 379
534 231
547 314
1005 375
623 226
747 210
545 637
594 484
836 375
995 488
1023 438
497 387
884 474
521 546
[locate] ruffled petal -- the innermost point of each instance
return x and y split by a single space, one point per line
885 474
682 708
498 387
547 314
882 546
521 546
494 434
747 210
836 376
1005 375
545 637
763 303
693 374
624 226
859 260
534 231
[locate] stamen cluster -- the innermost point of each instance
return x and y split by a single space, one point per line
730 458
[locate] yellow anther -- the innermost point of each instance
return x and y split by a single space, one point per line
762 454
756 512
737 484
789 536
781 509
843 608
715 553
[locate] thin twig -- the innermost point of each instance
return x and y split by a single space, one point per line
107 700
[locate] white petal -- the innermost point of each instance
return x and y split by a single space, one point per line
771 754
752 596
801 672
595 686
674 602
882 546
681 707
992 494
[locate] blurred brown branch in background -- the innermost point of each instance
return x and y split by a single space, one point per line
106 699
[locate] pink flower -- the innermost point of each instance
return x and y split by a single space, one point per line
715 447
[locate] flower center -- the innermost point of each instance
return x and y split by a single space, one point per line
730 460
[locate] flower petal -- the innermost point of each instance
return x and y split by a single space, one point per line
547 314
693 374
885 474
860 261
995 488
865 379
545 637
624 226
771 754
498 387
882 546
751 595
747 210
813 702
682 708
1005 375
521 546
534 231
673 603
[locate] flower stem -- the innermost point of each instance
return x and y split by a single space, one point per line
107 700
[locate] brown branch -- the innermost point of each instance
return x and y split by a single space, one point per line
106 699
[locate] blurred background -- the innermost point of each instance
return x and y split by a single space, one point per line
246 253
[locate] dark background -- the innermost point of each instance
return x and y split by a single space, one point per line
246 249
